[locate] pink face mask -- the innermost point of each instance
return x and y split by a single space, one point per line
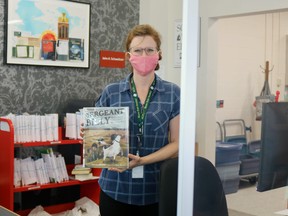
144 64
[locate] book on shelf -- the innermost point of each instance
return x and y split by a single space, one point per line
80 169
55 166
73 123
84 177
106 137
28 171
34 128
42 170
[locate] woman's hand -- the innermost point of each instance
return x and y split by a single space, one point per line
134 162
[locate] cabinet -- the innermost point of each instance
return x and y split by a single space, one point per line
54 197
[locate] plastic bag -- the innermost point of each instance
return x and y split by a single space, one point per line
87 207
38 211
83 207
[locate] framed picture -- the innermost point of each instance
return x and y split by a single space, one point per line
48 33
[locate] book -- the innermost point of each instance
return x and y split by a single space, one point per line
80 169
76 49
48 49
84 177
76 172
53 167
62 50
106 137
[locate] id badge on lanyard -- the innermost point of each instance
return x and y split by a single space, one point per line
138 172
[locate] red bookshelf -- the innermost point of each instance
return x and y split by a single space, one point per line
8 193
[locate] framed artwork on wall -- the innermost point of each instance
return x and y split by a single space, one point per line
47 33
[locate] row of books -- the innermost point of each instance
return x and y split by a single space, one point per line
48 169
35 128
63 49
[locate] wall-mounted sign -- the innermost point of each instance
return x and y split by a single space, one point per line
219 103
112 59
177 43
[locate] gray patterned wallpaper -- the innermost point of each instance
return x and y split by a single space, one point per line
35 89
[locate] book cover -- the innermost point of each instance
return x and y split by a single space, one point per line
48 49
76 49
106 137
62 50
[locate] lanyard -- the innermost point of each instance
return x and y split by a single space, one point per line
141 112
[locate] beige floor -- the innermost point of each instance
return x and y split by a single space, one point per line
249 202
237 213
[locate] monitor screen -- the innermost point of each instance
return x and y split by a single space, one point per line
273 170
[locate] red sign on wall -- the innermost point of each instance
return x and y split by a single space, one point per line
112 59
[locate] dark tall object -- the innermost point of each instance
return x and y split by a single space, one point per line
273 171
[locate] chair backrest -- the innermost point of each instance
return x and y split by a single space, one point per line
209 196
168 187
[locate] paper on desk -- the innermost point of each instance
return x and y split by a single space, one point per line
282 212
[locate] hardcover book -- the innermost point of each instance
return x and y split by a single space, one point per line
79 169
106 137
84 177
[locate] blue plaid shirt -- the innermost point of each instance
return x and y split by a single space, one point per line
164 106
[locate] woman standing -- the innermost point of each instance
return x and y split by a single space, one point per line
154 106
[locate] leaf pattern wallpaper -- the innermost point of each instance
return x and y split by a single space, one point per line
40 90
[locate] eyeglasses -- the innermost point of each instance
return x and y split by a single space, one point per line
138 51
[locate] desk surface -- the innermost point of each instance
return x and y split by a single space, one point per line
250 201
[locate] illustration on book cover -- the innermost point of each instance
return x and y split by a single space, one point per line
106 137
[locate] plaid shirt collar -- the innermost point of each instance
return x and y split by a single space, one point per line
125 84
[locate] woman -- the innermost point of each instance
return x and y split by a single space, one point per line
154 106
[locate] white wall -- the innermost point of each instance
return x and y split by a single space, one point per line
162 13
243 44
223 8
210 11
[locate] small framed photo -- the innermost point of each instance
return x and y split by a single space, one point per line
47 33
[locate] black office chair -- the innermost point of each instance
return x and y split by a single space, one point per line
209 196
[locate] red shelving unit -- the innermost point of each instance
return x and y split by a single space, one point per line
88 188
